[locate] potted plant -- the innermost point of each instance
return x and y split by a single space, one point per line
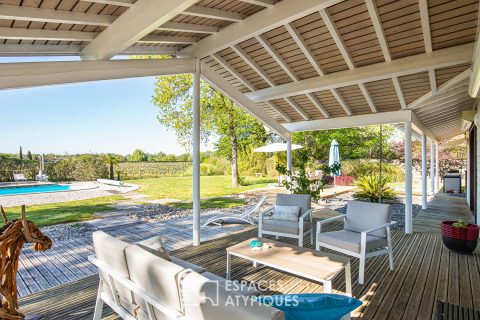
459 236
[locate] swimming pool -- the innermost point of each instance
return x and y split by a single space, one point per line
12 190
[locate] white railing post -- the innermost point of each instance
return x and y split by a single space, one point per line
196 154
432 168
424 171
289 154
408 178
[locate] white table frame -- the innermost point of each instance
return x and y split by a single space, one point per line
327 284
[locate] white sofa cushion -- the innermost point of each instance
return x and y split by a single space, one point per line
362 216
155 245
206 300
304 201
286 213
155 275
350 240
284 226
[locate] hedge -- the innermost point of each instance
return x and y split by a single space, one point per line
140 170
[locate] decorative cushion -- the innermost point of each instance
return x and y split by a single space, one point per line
312 306
362 216
155 245
304 201
287 213
350 241
284 226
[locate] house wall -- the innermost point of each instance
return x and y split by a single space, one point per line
477 164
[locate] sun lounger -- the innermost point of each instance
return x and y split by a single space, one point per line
244 217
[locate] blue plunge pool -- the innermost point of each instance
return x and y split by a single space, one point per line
12 190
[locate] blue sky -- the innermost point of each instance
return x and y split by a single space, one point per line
95 117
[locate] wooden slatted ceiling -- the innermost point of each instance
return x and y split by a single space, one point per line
355 100
330 103
226 75
315 34
452 22
356 30
402 25
283 105
414 86
444 74
384 95
67 5
306 105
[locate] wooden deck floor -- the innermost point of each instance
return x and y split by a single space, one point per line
425 272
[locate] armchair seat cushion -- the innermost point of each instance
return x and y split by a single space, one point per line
349 240
284 226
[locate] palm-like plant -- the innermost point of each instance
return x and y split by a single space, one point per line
374 188
111 160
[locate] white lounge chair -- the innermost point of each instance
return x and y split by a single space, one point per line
19 177
366 233
244 217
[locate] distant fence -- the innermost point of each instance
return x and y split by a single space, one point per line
138 170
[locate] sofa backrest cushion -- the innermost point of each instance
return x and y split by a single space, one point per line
304 201
156 276
156 246
366 215
210 300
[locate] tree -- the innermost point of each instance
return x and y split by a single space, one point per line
235 130
111 160
29 155
20 153
138 156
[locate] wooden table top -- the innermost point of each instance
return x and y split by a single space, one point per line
297 260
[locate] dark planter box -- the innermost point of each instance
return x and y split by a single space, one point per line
459 239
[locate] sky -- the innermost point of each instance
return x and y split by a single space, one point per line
93 117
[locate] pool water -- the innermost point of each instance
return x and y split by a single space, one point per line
33 189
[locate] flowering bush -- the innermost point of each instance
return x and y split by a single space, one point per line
340 180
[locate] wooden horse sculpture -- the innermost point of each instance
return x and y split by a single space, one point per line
13 235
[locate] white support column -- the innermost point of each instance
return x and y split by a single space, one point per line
289 154
467 187
424 171
432 167
196 154
437 167
408 178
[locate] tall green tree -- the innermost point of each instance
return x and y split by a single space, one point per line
29 155
111 160
20 153
138 156
234 129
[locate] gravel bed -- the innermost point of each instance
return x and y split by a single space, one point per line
68 231
397 205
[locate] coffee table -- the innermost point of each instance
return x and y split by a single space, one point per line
303 262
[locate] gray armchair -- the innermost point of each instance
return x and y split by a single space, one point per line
366 233
284 228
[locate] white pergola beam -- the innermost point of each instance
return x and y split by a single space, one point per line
73 50
351 121
427 38
279 111
167 39
318 105
262 3
474 88
368 98
122 3
304 47
342 102
233 71
188 27
433 81
380 71
212 13
420 127
245 57
239 98
297 108
337 38
41 34
377 25
54 16
33 74
399 91
266 20
137 22
278 59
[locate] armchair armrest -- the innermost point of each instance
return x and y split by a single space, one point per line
386 225
324 221
261 213
306 214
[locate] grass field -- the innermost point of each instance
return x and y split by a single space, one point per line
64 212
181 187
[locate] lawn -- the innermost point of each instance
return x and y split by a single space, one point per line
218 202
64 212
181 187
